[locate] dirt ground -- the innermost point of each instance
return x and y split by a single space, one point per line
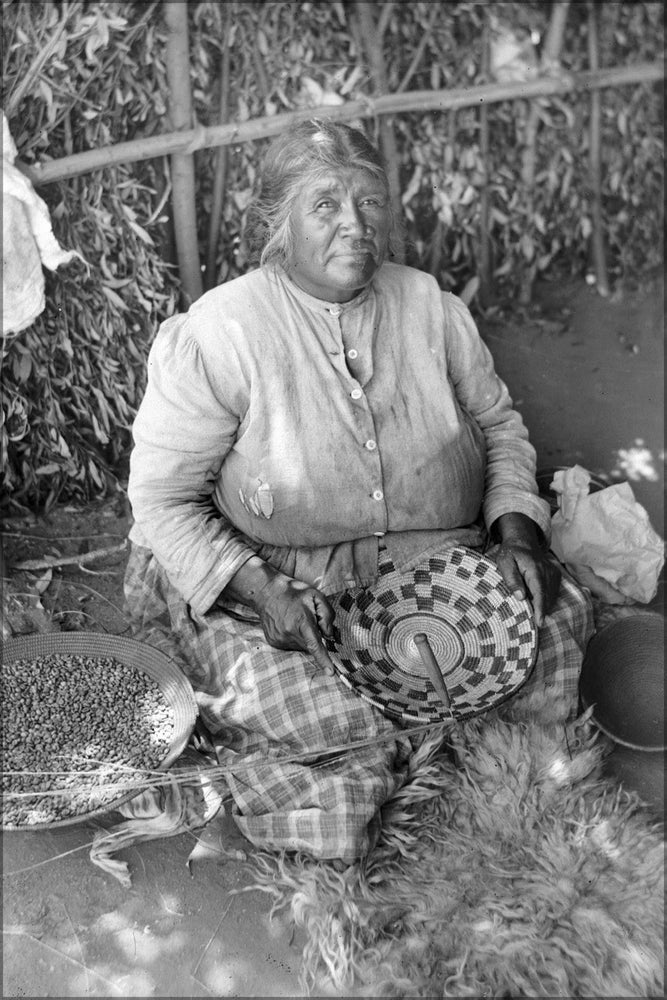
587 375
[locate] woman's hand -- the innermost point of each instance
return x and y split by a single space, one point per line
293 615
525 566
296 616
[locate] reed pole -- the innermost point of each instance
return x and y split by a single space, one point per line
598 253
550 60
370 37
190 140
221 164
177 58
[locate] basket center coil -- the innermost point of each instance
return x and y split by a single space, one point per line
443 639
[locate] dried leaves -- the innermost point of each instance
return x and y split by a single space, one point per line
73 380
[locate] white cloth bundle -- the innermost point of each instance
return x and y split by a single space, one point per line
606 539
27 243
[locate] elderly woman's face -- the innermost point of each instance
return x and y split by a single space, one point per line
340 223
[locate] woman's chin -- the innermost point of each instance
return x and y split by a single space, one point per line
356 270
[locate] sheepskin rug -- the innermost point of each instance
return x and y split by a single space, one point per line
507 867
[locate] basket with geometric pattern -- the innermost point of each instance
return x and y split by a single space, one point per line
481 636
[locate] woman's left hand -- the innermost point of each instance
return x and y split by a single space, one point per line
525 566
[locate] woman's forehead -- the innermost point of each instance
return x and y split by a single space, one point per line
337 181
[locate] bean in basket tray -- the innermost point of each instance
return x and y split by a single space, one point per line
77 731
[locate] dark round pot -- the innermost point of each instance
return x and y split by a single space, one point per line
623 678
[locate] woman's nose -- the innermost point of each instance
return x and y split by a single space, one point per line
352 220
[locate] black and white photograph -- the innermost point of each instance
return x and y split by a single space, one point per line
332 516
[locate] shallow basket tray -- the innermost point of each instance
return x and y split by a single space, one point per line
483 638
173 684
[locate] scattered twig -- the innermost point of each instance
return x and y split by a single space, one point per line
96 593
263 84
210 940
80 947
83 614
47 861
419 51
36 67
59 538
19 931
385 17
83 557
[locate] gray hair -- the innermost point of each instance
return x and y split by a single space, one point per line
303 152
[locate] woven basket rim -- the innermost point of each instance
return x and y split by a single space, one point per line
174 685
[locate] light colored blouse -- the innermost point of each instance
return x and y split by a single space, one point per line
303 430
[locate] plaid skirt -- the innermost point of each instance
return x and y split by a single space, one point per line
262 705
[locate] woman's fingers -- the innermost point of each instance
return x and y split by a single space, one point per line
509 571
535 584
317 621
297 617
324 614
524 577
312 644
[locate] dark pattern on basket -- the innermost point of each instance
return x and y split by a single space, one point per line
483 637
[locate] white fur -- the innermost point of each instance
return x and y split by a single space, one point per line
515 871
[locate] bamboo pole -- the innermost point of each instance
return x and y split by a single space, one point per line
550 57
485 269
419 51
598 255
177 58
191 140
370 37
221 163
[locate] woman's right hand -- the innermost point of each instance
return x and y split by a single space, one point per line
296 616
293 614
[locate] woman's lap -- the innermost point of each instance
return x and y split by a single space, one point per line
266 706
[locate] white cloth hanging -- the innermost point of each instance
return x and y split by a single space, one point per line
27 243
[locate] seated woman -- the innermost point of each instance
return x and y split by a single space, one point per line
301 423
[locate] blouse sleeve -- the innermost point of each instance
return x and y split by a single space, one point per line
511 461
184 428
